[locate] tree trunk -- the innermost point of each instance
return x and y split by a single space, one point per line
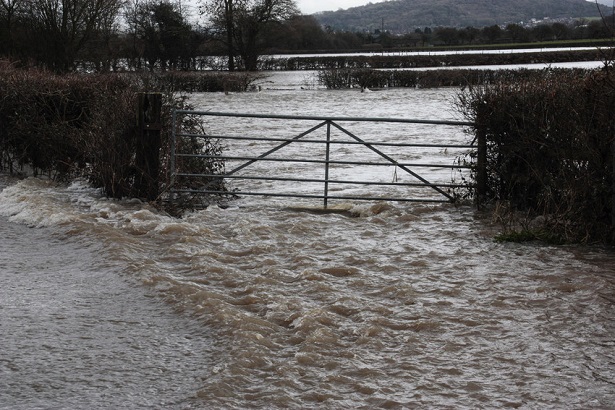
229 33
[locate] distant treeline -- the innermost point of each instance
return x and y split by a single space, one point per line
305 34
517 33
113 35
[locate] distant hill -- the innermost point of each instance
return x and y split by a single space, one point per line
400 16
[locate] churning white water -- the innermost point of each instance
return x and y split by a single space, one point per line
112 304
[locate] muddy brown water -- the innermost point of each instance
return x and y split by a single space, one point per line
112 304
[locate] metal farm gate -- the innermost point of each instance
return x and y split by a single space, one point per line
254 145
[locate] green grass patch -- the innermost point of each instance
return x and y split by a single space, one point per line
527 235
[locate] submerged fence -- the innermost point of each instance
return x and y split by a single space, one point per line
319 157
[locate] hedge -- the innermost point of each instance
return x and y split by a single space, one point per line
79 125
550 147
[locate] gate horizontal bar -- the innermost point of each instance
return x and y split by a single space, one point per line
310 196
346 142
326 119
319 161
316 180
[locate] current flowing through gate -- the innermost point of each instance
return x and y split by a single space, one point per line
256 145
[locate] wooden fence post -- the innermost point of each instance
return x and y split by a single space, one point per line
613 192
481 167
147 160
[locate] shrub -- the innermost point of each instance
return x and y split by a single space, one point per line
66 126
83 126
198 81
404 61
370 78
550 146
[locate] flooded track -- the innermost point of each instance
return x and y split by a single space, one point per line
112 304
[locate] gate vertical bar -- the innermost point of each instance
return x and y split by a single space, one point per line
613 192
327 154
481 167
172 170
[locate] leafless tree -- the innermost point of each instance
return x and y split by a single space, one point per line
61 28
242 23
161 35
9 12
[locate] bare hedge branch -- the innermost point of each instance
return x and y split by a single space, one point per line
550 149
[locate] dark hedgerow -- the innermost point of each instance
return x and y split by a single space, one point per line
370 78
400 61
68 126
83 126
199 81
550 142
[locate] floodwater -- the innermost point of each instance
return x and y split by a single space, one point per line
444 52
113 304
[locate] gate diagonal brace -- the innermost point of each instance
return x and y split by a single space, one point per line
271 151
388 158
